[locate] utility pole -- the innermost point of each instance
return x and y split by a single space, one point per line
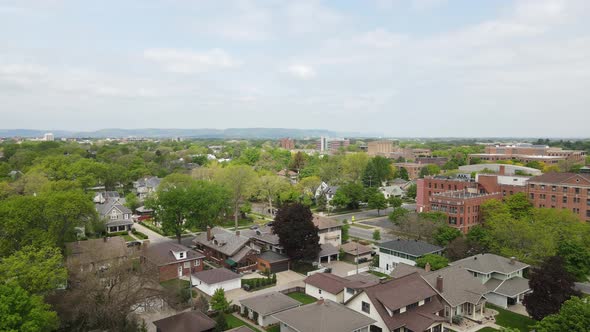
357 257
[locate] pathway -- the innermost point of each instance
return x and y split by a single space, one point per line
152 236
249 322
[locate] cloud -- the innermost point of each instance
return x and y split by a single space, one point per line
300 71
189 62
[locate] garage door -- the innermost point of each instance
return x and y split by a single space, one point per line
279 267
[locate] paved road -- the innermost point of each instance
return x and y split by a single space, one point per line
367 234
382 222
369 214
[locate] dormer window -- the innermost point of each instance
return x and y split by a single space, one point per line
181 255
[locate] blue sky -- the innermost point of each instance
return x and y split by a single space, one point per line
400 68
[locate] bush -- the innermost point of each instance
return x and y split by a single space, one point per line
117 234
255 316
140 235
153 228
457 319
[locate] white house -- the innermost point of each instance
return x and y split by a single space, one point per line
210 280
330 230
393 252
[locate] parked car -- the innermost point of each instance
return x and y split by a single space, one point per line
254 227
133 244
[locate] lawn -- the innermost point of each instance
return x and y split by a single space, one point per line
380 275
487 329
175 284
302 297
233 322
507 318
129 238
276 328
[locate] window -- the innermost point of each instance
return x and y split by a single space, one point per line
564 200
197 262
553 188
564 189
532 195
577 190
412 306
181 255
365 307
532 186
319 291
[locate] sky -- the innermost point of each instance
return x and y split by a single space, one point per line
418 68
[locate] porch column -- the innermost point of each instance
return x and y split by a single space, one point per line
329 259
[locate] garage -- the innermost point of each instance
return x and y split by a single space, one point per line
273 262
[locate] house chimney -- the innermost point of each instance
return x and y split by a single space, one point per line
320 301
439 283
427 267
512 260
208 233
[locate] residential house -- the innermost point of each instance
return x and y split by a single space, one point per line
96 254
208 281
334 288
172 260
266 305
354 251
330 230
111 209
270 261
229 249
323 316
400 305
289 174
397 251
146 186
392 191
502 277
265 239
327 191
461 294
189 321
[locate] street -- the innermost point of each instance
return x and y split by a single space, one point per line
369 214
367 234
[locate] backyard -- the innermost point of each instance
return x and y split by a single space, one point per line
507 318
233 322
302 297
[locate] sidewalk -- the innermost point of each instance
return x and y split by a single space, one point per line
152 236
249 322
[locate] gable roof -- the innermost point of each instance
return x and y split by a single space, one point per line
105 209
161 254
190 321
488 263
270 303
459 286
328 282
403 269
352 247
558 178
222 240
411 247
509 287
240 329
324 316
397 293
215 276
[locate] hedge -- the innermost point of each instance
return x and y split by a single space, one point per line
139 234
117 234
155 229
257 283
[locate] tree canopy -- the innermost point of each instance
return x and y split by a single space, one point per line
574 315
21 311
297 233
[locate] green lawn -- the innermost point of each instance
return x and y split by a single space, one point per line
276 328
129 238
507 318
175 284
487 329
380 275
233 322
302 297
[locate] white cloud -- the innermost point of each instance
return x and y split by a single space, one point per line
300 71
188 62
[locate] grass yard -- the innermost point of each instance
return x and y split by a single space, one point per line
302 297
233 322
507 318
380 275
487 329
175 284
276 328
129 238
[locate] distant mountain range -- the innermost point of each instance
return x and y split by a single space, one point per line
250 133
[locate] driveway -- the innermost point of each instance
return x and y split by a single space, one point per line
285 280
152 236
342 269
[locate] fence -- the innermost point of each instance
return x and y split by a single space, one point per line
293 290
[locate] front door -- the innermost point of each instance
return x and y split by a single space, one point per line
180 270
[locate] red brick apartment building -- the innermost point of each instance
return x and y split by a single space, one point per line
561 191
462 207
429 186
528 152
287 144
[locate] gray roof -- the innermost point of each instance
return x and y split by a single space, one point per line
411 247
190 321
327 250
402 269
324 316
224 241
583 287
324 222
352 247
273 257
459 286
150 182
513 287
270 303
105 209
161 254
263 234
488 263
118 222
215 276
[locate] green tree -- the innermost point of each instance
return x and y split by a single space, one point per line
574 315
349 195
220 323
345 233
37 270
131 201
430 169
445 234
240 181
377 171
403 174
396 216
518 205
271 186
436 262
20 311
186 205
219 302
377 201
395 202
412 191
376 235
297 233
354 165
576 258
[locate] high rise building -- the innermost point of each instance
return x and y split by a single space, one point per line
48 137
287 143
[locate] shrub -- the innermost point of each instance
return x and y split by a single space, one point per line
140 235
457 319
255 316
117 234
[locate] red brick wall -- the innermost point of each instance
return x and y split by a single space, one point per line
545 195
427 187
170 271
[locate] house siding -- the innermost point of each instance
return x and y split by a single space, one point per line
210 289
170 271
317 293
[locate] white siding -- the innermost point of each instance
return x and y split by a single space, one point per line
497 299
333 237
210 289
356 305
317 293
388 262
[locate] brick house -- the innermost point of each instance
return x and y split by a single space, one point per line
173 260
229 249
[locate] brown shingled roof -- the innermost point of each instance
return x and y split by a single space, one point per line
328 282
557 178
324 222
190 321
161 254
